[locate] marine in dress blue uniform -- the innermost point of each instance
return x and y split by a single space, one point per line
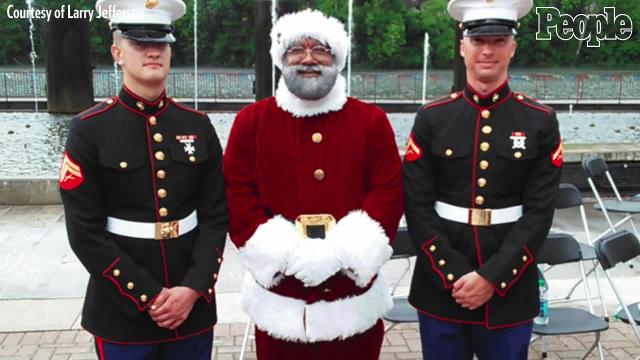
142 187
481 172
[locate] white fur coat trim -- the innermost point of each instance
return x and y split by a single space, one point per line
362 246
333 101
284 317
265 254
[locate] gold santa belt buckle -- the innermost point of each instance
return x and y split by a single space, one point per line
314 226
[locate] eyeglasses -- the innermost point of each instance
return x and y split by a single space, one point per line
318 52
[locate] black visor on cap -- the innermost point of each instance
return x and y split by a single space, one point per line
489 27
150 33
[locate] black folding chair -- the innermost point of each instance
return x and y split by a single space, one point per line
564 249
595 167
611 250
402 311
569 197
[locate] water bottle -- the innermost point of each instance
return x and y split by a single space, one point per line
543 317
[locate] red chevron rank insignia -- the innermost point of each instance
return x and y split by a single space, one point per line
70 174
557 155
414 151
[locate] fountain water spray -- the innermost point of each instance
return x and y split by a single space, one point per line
274 18
424 68
350 30
33 55
195 53
116 81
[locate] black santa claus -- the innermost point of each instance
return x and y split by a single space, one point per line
314 191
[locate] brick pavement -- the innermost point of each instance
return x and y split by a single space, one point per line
402 342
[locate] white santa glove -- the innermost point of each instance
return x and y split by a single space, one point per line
313 262
266 253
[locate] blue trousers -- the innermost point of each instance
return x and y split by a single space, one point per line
444 340
197 347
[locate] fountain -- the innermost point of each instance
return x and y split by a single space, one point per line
424 69
195 54
33 55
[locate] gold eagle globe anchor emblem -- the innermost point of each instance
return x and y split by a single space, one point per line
150 4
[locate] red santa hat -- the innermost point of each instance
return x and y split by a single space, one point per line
313 24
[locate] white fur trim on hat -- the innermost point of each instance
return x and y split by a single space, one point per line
333 101
309 23
361 245
265 254
293 320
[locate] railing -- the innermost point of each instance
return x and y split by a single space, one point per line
405 86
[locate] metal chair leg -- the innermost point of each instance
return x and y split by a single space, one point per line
245 339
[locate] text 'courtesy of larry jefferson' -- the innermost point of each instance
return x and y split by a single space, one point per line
65 12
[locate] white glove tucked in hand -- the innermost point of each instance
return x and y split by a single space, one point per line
313 262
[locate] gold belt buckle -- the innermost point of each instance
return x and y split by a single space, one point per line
167 230
480 217
316 225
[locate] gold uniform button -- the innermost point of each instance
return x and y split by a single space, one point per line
143 298
210 291
163 212
215 276
520 97
442 262
448 152
432 248
517 154
219 260
123 164
140 105
116 272
454 95
153 120
192 158
479 200
159 155
450 277
484 146
503 285
316 138
158 137
161 174
476 98
525 258
485 114
109 101
161 104
495 97
318 174
514 272
487 129
484 164
130 285
162 193
482 182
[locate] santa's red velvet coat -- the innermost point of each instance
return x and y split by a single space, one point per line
342 162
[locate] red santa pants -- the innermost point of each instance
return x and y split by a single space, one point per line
363 346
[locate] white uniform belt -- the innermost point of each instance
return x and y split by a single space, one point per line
478 217
159 230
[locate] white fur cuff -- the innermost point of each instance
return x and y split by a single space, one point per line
362 246
266 253
293 320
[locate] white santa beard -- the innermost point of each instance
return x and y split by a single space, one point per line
333 101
